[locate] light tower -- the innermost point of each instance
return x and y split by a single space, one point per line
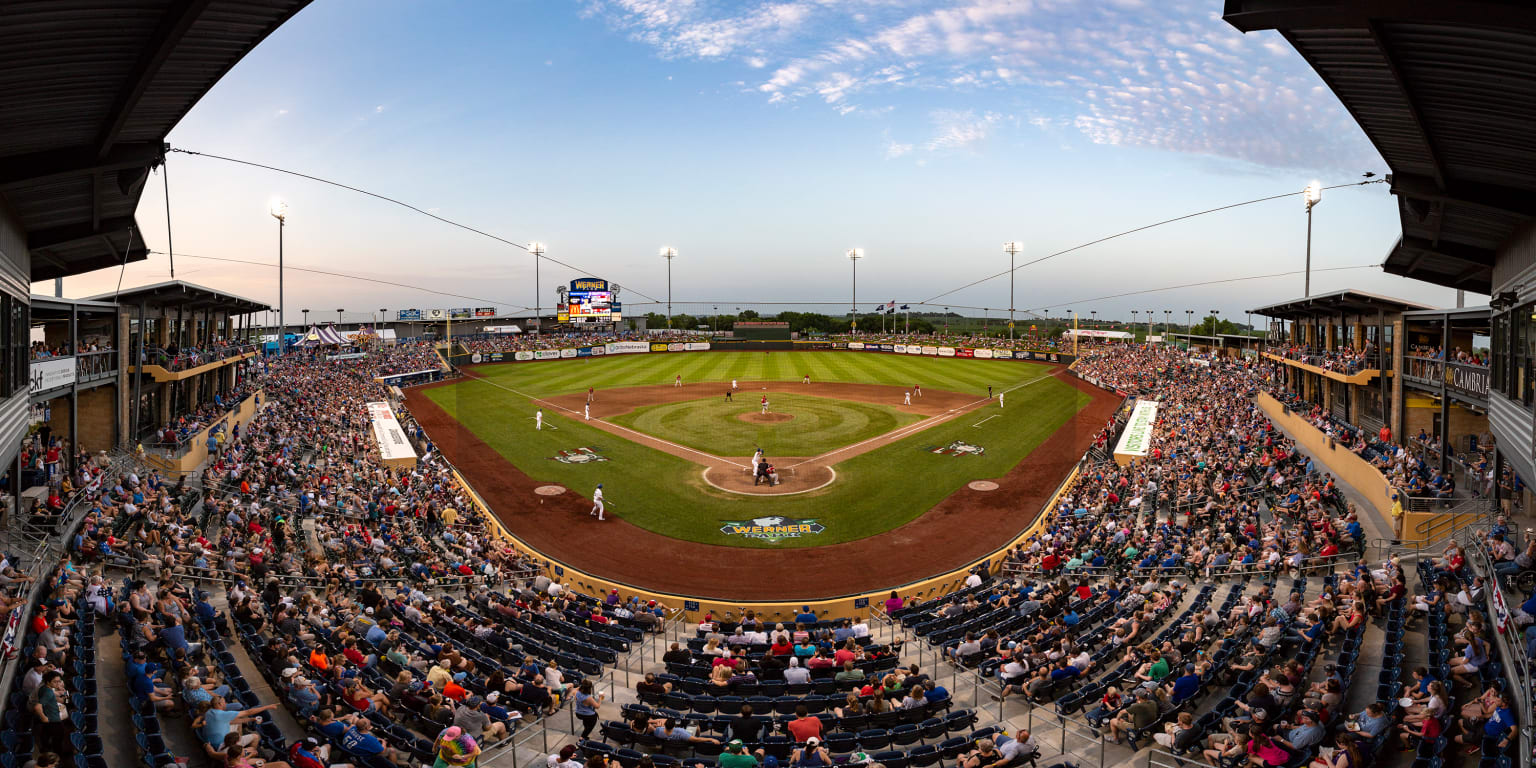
669 253
1313 195
1013 249
854 254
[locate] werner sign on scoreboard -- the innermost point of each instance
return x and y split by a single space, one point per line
1136 441
394 446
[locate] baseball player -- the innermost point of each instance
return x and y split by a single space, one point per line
909 398
806 380
678 380
765 403
1000 399
597 502
589 394
733 385
918 388
586 411
728 395
989 391
538 419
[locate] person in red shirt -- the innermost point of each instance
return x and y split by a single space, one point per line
803 726
844 654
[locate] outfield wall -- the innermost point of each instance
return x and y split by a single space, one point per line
859 604
728 345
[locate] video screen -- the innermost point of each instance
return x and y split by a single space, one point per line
592 305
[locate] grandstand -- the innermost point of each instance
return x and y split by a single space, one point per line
1322 557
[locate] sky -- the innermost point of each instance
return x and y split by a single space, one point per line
763 140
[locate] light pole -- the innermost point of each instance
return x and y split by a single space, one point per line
854 254
306 319
1012 249
669 254
1214 320
715 319
1313 194
1189 321
536 249
279 210
1150 320
382 314
338 319
1134 312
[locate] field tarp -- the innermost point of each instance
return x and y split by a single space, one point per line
1137 439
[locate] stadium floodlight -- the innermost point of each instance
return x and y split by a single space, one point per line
278 207
306 318
1313 195
854 254
338 319
669 253
536 249
1012 248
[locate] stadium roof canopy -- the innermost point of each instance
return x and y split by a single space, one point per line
1446 90
1337 303
179 294
89 89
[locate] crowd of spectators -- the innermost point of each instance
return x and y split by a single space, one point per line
1345 360
529 342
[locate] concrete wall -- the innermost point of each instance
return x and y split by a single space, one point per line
97 425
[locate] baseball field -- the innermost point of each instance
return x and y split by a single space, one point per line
855 459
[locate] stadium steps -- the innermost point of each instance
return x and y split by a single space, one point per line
114 721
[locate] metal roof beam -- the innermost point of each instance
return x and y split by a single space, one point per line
1491 197
178 19
1379 36
1253 15
69 233
1469 254
54 164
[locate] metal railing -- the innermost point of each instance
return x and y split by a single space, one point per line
94 366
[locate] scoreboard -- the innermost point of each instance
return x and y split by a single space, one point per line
590 300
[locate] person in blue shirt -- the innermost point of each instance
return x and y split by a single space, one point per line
934 692
805 616
1187 685
218 721
1070 618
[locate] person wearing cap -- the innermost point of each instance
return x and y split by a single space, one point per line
476 722
1186 685
736 756
812 755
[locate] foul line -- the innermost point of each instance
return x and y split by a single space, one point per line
573 411
931 421
987 419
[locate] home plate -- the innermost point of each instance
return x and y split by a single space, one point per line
982 485
556 490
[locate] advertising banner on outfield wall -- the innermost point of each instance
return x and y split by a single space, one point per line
658 347
855 345
584 351
962 352
568 352
522 356
946 351
901 349
985 354
627 347
546 354
1136 442
887 347
677 346
697 346
839 345
930 351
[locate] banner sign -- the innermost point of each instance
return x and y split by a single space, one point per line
485 311
930 351
914 349
887 347
394 448
1468 379
436 314
352 356
495 357
585 351
460 313
50 373
1139 429
627 347
407 314
522 356
12 625
501 329
946 351
697 346
546 354
965 353
855 345
984 354
568 352
658 347
839 345
589 284
901 349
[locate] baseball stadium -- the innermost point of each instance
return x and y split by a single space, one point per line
730 503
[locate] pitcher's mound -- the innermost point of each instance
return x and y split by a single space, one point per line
764 418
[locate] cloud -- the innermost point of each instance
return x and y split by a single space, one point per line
378 109
1168 75
960 129
282 112
894 149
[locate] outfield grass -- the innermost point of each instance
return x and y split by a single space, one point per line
544 379
874 492
819 424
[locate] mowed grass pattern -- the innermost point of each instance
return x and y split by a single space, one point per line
557 377
874 492
818 424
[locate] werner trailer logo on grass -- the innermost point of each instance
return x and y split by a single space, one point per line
773 528
1137 439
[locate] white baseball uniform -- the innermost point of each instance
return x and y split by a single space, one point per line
538 419
733 383
1000 399
909 398
597 503
586 412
